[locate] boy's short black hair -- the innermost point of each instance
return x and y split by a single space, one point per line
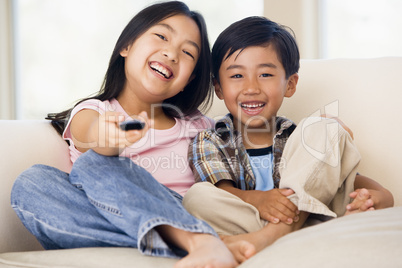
257 31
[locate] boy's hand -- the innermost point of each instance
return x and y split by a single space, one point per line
274 206
363 200
340 123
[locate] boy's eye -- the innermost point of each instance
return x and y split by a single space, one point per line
236 76
266 75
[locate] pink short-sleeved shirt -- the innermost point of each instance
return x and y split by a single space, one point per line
163 153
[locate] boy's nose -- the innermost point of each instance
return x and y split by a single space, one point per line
251 87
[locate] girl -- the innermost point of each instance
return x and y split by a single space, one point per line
160 67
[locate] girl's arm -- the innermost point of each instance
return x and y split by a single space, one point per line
101 133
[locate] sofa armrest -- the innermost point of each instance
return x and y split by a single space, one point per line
24 143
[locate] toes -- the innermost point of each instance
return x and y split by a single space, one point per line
242 250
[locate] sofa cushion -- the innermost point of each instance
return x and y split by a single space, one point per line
84 257
370 239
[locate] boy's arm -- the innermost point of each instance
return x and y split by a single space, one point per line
273 205
209 163
369 195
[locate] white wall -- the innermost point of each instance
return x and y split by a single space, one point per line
302 16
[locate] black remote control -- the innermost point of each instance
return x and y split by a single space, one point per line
132 124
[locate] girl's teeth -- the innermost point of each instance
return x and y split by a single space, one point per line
161 70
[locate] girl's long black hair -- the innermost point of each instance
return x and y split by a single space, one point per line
196 95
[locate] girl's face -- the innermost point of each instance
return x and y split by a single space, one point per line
160 62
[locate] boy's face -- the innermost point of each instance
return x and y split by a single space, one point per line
253 84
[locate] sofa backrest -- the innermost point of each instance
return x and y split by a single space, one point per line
366 95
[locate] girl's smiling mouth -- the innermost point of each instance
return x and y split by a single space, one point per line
161 70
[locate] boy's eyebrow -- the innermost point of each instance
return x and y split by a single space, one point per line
235 66
269 65
171 29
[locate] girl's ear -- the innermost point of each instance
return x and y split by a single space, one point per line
124 52
218 89
191 79
291 87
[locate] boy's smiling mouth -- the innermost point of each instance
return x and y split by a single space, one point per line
252 108
161 70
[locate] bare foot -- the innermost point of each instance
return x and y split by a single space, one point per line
258 239
241 250
262 238
207 251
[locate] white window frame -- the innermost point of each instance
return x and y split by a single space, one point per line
7 59
303 16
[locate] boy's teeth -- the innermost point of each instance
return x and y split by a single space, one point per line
252 105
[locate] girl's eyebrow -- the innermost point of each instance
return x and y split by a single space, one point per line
171 29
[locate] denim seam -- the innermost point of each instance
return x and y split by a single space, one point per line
145 235
50 227
106 208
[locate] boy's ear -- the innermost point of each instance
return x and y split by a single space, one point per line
218 89
291 87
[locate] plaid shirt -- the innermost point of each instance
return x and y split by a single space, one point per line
219 154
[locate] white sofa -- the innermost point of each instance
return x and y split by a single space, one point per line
365 93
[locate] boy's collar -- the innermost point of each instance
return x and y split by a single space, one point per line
282 124
225 125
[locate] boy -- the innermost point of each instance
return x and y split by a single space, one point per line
254 187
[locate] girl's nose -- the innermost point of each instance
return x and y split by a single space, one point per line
171 54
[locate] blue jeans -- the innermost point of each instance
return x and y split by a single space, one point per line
103 202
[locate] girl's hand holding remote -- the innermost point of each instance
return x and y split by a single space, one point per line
111 135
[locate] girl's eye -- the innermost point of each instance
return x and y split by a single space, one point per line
161 37
236 76
188 53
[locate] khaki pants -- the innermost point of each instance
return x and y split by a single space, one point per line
319 164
